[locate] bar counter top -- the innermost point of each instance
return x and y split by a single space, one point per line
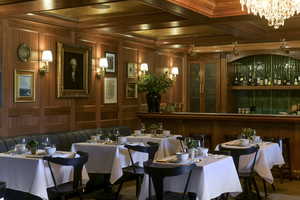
221 116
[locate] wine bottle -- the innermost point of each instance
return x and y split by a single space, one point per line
275 80
296 81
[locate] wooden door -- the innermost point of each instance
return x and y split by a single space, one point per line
204 85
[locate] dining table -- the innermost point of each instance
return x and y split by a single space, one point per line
268 156
213 176
109 158
31 174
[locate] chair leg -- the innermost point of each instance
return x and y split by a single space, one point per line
256 188
137 191
273 187
119 190
265 188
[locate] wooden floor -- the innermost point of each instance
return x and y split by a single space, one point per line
289 190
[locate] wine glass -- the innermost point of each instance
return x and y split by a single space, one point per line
117 132
100 134
46 142
23 141
203 140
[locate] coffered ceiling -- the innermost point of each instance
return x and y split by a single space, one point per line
169 23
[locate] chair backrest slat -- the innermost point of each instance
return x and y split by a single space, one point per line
158 172
77 163
237 153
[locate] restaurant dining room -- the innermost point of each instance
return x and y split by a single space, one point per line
149 100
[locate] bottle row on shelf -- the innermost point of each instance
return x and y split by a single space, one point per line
242 80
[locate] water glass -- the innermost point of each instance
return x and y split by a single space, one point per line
46 142
23 141
100 133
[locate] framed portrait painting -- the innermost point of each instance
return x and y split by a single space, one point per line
24 86
112 62
110 90
73 70
131 70
131 90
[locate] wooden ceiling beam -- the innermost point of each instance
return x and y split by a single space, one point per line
46 5
198 40
174 9
151 26
130 20
246 47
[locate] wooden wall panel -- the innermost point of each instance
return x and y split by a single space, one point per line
50 114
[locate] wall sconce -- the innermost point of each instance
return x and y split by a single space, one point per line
144 69
100 71
46 58
174 72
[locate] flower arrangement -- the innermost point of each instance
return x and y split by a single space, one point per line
248 133
154 84
32 145
191 144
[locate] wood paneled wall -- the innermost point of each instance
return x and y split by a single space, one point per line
50 114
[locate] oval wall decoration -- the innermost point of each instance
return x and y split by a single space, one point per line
24 52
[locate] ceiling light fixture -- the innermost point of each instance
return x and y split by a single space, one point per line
274 11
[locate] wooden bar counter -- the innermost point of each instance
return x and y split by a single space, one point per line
218 125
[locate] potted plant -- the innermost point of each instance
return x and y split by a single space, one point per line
154 85
32 145
248 133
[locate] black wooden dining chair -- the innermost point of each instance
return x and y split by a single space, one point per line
181 141
134 171
249 176
158 172
73 187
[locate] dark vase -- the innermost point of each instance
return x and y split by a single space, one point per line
153 101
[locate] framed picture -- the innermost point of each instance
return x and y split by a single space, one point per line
24 87
131 90
132 70
110 90
112 62
73 69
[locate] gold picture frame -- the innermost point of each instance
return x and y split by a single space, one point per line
24 86
132 70
74 65
131 91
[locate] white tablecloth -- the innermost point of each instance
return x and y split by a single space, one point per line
108 159
268 156
212 177
168 145
33 175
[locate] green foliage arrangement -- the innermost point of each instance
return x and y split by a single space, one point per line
154 84
191 144
248 133
32 144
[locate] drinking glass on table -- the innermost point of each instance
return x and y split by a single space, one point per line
100 134
143 128
46 142
23 141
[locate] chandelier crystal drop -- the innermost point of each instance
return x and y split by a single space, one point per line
274 11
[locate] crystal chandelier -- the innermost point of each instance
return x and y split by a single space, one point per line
274 11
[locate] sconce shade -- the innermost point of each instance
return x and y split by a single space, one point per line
47 56
175 71
103 63
144 67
